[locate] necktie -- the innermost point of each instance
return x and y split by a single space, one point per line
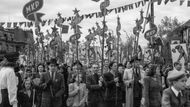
179 98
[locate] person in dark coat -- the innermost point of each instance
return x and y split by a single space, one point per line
53 86
95 88
175 96
152 89
36 81
27 96
114 87
66 93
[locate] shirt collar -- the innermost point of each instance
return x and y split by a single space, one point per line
176 92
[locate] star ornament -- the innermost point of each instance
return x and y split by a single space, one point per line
59 14
54 29
149 18
76 11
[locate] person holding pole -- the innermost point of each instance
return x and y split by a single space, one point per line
114 86
95 88
77 92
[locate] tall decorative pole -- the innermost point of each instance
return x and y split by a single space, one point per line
136 69
118 28
77 33
103 9
118 37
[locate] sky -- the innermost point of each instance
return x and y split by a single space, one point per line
11 11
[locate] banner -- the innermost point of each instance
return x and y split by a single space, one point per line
30 10
179 54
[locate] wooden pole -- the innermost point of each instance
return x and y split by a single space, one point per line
103 39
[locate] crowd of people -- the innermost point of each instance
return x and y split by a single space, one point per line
120 85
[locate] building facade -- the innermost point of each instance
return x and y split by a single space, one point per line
13 40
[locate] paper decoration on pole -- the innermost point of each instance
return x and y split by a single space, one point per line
64 29
74 25
103 6
30 10
118 28
179 54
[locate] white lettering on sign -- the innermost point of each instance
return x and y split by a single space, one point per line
32 7
150 33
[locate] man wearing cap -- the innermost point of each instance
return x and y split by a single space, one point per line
8 81
52 84
175 96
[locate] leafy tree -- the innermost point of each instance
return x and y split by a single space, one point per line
168 25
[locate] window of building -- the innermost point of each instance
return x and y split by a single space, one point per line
5 36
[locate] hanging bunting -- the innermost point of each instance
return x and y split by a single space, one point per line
109 11
137 4
166 1
130 6
21 23
15 24
9 24
188 3
2 23
116 10
25 24
89 15
173 0
181 2
58 21
96 0
159 2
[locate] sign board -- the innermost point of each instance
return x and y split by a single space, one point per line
30 9
150 33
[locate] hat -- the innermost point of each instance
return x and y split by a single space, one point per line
11 57
175 75
52 61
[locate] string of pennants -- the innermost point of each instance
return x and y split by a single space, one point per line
90 15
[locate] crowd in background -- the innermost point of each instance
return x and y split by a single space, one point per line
132 84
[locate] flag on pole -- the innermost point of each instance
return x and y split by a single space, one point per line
65 29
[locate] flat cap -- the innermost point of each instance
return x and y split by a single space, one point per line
11 57
175 75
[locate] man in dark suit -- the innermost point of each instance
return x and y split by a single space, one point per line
114 86
175 95
53 86
95 89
